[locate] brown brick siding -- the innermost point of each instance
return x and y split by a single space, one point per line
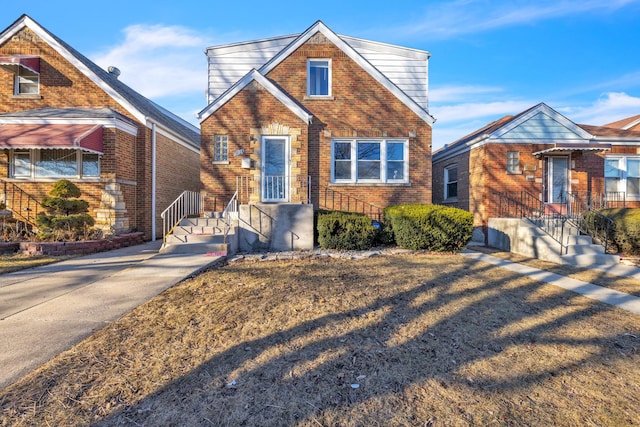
360 107
126 159
482 172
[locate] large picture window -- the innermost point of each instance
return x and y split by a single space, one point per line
54 163
622 175
369 160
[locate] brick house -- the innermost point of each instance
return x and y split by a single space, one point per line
542 153
62 116
316 120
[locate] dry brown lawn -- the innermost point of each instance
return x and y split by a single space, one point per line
400 340
15 262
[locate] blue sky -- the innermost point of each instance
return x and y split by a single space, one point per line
489 58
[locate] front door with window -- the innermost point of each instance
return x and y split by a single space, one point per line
557 179
275 169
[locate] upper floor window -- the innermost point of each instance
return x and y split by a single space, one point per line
54 163
220 148
451 182
513 162
319 77
27 82
622 174
370 160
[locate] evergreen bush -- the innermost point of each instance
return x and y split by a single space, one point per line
431 227
345 231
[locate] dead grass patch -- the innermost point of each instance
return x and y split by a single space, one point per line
412 340
15 262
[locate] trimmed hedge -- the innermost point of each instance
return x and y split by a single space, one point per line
626 234
345 231
432 227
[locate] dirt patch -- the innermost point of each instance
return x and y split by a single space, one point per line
407 339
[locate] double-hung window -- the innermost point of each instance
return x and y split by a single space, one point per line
54 163
369 161
622 175
319 77
220 148
27 82
451 182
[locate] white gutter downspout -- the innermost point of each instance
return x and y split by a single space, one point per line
153 182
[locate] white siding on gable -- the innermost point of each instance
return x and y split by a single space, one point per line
229 63
541 127
404 67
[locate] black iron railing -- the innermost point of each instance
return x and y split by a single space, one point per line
23 206
335 201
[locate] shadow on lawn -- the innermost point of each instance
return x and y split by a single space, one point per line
432 331
455 333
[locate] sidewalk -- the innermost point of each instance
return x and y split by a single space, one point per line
46 310
599 293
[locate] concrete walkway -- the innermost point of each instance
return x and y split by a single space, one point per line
599 293
46 310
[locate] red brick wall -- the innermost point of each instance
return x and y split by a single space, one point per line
482 172
360 107
126 159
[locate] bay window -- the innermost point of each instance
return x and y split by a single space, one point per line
369 161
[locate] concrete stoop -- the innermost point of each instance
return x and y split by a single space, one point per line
523 237
201 235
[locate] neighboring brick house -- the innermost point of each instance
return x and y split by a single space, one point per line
62 116
316 119
542 153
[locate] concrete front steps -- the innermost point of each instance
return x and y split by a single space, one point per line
200 235
522 237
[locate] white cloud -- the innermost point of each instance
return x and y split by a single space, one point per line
465 112
610 107
453 93
449 19
160 61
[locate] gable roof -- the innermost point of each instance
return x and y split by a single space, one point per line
143 109
539 124
281 48
274 90
629 123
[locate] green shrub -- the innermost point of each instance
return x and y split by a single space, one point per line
626 233
66 216
345 231
432 227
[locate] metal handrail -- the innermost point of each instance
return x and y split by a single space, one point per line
248 186
24 207
336 201
544 216
230 213
186 204
589 219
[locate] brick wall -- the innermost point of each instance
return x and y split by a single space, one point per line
127 158
360 107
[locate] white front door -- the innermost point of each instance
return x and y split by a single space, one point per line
275 169
558 179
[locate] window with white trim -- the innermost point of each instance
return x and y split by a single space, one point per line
369 161
27 82
451 182
622 174
220 148
318 77
54 163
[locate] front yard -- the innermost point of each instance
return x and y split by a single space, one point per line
410 339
